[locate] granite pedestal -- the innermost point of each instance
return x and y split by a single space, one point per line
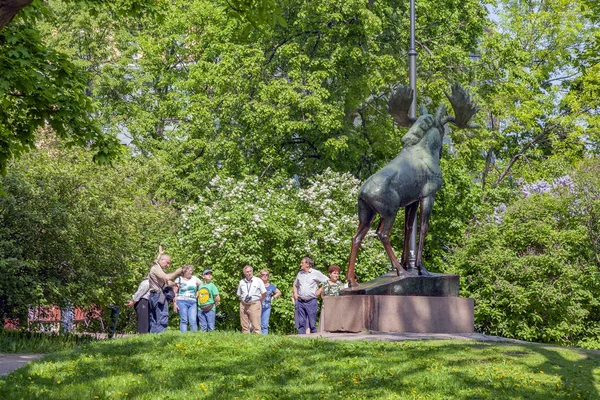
415 304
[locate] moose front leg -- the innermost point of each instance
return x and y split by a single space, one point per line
426 207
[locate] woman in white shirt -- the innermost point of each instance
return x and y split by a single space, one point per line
185 299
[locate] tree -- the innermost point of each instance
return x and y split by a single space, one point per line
210 94
75 232
8 10
40 86
535 88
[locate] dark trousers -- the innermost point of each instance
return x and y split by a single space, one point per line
307 313
115 311
159 314
143 316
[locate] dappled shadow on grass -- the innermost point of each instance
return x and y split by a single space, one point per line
230 365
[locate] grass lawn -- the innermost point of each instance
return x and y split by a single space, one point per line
36 342
226 365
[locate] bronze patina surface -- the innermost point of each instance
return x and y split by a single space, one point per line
410 180
390 284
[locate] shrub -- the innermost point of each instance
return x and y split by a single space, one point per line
533 267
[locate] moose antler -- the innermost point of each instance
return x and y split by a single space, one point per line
464 107
399 104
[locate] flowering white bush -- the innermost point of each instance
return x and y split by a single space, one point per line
271 224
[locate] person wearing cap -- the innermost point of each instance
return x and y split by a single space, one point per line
305 289
208 300
251 292
185 299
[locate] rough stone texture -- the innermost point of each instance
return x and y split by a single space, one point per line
415 314
391 284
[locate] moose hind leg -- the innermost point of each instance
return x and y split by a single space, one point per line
410 213
383 232
426 207
366 215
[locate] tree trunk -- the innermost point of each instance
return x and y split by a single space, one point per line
10 8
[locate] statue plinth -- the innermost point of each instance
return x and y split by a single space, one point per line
390 284
409 303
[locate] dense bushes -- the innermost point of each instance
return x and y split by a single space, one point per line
75 232
533 266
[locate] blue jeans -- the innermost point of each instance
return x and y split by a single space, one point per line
207 320
264 320
187 314
159 314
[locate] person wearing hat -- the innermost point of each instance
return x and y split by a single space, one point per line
208 300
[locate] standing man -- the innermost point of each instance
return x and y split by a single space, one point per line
305 295
140 301
251 292
159 306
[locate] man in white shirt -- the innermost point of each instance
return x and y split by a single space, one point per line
140 301
305 295
251 292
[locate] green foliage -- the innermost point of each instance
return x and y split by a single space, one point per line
74 232
271 224
40 86
208 94
533 269
455 204
229 365
294 89
536 83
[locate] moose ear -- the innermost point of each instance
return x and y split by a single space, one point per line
441 112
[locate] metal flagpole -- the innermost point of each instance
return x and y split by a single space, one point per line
412 75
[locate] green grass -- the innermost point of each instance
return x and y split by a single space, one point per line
36 342
224 365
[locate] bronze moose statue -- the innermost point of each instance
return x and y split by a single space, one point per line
410 180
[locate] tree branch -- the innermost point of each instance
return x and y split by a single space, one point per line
521 154
10 8
284 41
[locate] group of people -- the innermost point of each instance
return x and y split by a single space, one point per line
196 299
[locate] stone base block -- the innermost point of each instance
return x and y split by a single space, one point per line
414 314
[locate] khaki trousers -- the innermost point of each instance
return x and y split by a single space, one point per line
250 313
